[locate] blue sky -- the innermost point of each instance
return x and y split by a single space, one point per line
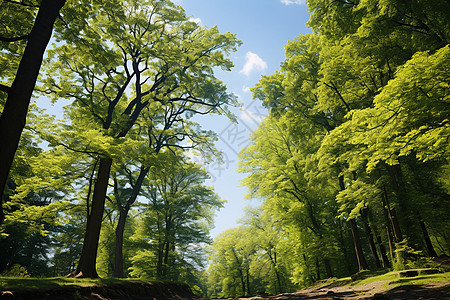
264 27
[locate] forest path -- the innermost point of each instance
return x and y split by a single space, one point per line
374 290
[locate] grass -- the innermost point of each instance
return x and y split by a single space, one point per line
19 283
419 280
390 279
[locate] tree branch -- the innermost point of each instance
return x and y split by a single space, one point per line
21 3
14 39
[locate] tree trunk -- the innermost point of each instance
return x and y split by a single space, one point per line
344 248
13 118
398 236
430 248
399 186
166 258
317 269
118 258
87 264
326 262
248 281
362 263
391 217
391 243
118 246
160 259
386 263
369 234
273 261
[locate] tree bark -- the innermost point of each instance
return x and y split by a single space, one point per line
118 251
87 263
392 217
13 118
344 248
430 248
118 246
398 183
273 261
391 242
317 269
369 234
326 262
362 263
384 256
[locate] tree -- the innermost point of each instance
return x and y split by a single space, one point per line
229 271
128 57
175 223
13 117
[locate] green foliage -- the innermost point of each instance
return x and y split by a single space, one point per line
16 271
173 226
250 258
358 122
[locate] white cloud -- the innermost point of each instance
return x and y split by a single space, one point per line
253 62
248 116
289 2
196 20
245 89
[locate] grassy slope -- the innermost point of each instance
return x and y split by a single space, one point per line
16 283
389 280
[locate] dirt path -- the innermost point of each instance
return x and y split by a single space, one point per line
375 290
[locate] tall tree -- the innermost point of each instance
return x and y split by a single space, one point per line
13 117
131 56
175 222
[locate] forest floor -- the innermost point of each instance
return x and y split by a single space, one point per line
412 284
392 285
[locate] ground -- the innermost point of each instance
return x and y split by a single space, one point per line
411 284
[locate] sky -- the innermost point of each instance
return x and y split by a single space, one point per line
264 27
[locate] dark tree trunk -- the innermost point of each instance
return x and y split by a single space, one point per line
118 257
13 118
430 248
317 269
384 256
391 216
87 264
398 236
311 277
369 234
118 246
273 260
160 259
328 270
399 186
248 281
241 274
362 263
391 242
166 258
242 281
344 248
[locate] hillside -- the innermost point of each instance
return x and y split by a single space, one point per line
411 284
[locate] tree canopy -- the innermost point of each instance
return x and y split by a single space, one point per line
350 166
